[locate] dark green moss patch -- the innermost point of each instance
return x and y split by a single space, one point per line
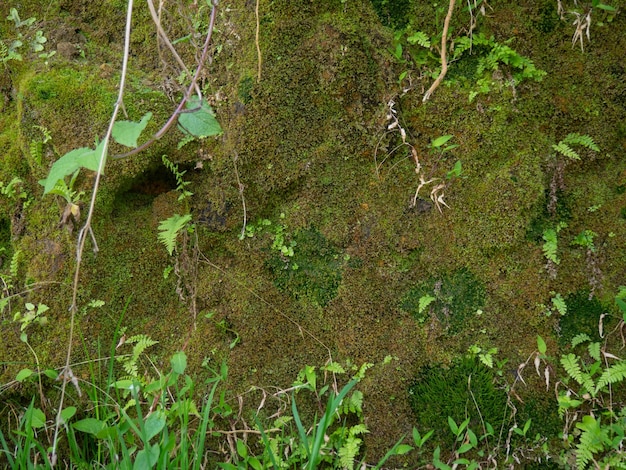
457 295
583 316
439 392
313 273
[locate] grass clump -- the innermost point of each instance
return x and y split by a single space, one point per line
464 390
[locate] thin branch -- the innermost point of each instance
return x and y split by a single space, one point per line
157 21
256 40
444 61
87 227
180 109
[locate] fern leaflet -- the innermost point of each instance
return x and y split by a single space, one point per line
169 230
566 150
615 373
592 440
571 366
579 339
584 140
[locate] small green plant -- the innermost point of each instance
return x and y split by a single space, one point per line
586 402
564 147
180 182
585 239
24 36
33 314
550 243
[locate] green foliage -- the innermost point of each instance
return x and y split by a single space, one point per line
181 184
24 35
199 120
585 239
140 344
304 264
583 316
550 242
33 314
169 230
73 161
450 392
127 132
457 296
565 149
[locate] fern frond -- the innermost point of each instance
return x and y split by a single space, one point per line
566 150
615 373
15 263
584 140
169 229
550 245
419 38
592 441
594 350
579 339
348 452
571 366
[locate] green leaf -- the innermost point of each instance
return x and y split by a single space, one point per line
242 450
51 374
154 424
179 362
35 417
147 458
68 413
439 141
200 121
541 345
23 374
89 426
127 132
453 427
72 161
403 449
424 302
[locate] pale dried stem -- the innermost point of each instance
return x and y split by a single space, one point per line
444 60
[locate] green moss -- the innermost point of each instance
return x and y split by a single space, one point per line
439 392
313 273
458 296
392 13
583 316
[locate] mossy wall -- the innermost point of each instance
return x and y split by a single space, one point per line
310 139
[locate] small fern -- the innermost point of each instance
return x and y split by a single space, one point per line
169 230
579 339
584 140
419 38
592 441
15 263
572 367
180 182
614 374
565 149
141 343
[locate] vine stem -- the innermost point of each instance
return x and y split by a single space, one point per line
256 40
87 229
444 60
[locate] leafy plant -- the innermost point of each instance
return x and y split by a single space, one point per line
564 147
169 230
550 243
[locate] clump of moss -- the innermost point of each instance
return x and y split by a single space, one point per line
393 14
466 389
313 273
583 316
457 296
